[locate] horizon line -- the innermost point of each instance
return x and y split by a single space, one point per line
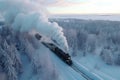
90 14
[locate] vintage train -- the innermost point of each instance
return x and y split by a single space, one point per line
60 53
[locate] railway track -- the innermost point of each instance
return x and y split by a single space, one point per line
80 72
84 72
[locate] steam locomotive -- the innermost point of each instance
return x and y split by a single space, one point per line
59 52
62 55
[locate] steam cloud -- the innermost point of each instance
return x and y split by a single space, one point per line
25 15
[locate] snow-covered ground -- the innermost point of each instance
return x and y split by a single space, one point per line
96 65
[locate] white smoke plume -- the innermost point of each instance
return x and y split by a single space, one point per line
25 15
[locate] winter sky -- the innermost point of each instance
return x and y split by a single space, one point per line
83 6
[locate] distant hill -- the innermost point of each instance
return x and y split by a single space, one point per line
90 17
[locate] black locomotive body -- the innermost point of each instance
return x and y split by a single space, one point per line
62 55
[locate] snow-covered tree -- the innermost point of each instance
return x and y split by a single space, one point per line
106 33
7 65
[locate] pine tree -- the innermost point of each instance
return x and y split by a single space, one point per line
7 65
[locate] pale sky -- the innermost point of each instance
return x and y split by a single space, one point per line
84 6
